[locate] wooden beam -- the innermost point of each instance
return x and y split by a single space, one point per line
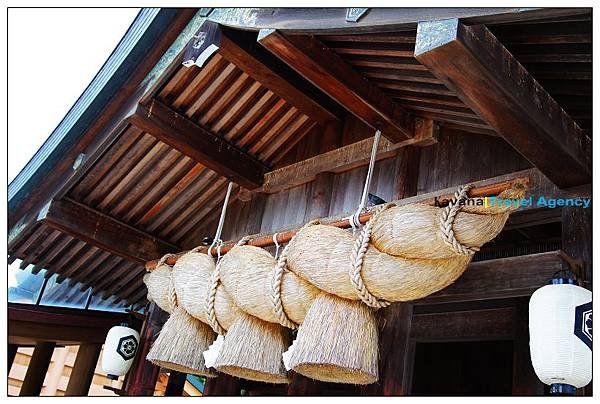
240 48
488 79
28 323
500 278
326 70
477 325
103 231
376 20
345 158
199 144
83 370
37 369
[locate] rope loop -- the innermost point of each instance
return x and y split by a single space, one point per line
210 301
277 279
447 218
354 220
359 250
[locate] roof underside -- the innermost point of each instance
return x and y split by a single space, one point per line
147 184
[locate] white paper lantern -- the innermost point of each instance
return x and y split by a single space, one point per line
560 331
120 348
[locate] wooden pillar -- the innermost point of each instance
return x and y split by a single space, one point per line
577 242
396 352
175 384
222 385
83 370
12 353
525 381
143 375
577 238
36 371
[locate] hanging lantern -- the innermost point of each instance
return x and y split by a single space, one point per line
560 332
120 348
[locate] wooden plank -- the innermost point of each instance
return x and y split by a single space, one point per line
199 144
477 325
103 231
29 323
37 368
83 370
240 48
486 77
345 158
382 19
326 70
500 278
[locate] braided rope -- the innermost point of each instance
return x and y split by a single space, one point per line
215 279
447 222
172 293
276 280
359 250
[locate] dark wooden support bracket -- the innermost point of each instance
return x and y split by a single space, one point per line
326 70
103 231
240 48
199 144
486 77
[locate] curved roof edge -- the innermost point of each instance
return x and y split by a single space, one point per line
146 29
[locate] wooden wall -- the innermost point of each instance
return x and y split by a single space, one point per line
458 158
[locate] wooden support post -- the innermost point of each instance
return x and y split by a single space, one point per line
141 380
396 351
525 381
577 238
577 243
83 370
175 384
488 79
37 369
12 353
222 385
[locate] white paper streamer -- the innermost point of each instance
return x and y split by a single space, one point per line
210 356
287 356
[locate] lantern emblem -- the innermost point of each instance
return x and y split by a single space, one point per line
583 323
127 346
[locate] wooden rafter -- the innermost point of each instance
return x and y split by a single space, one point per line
326 70
103 231
199 144
487 78
240 48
